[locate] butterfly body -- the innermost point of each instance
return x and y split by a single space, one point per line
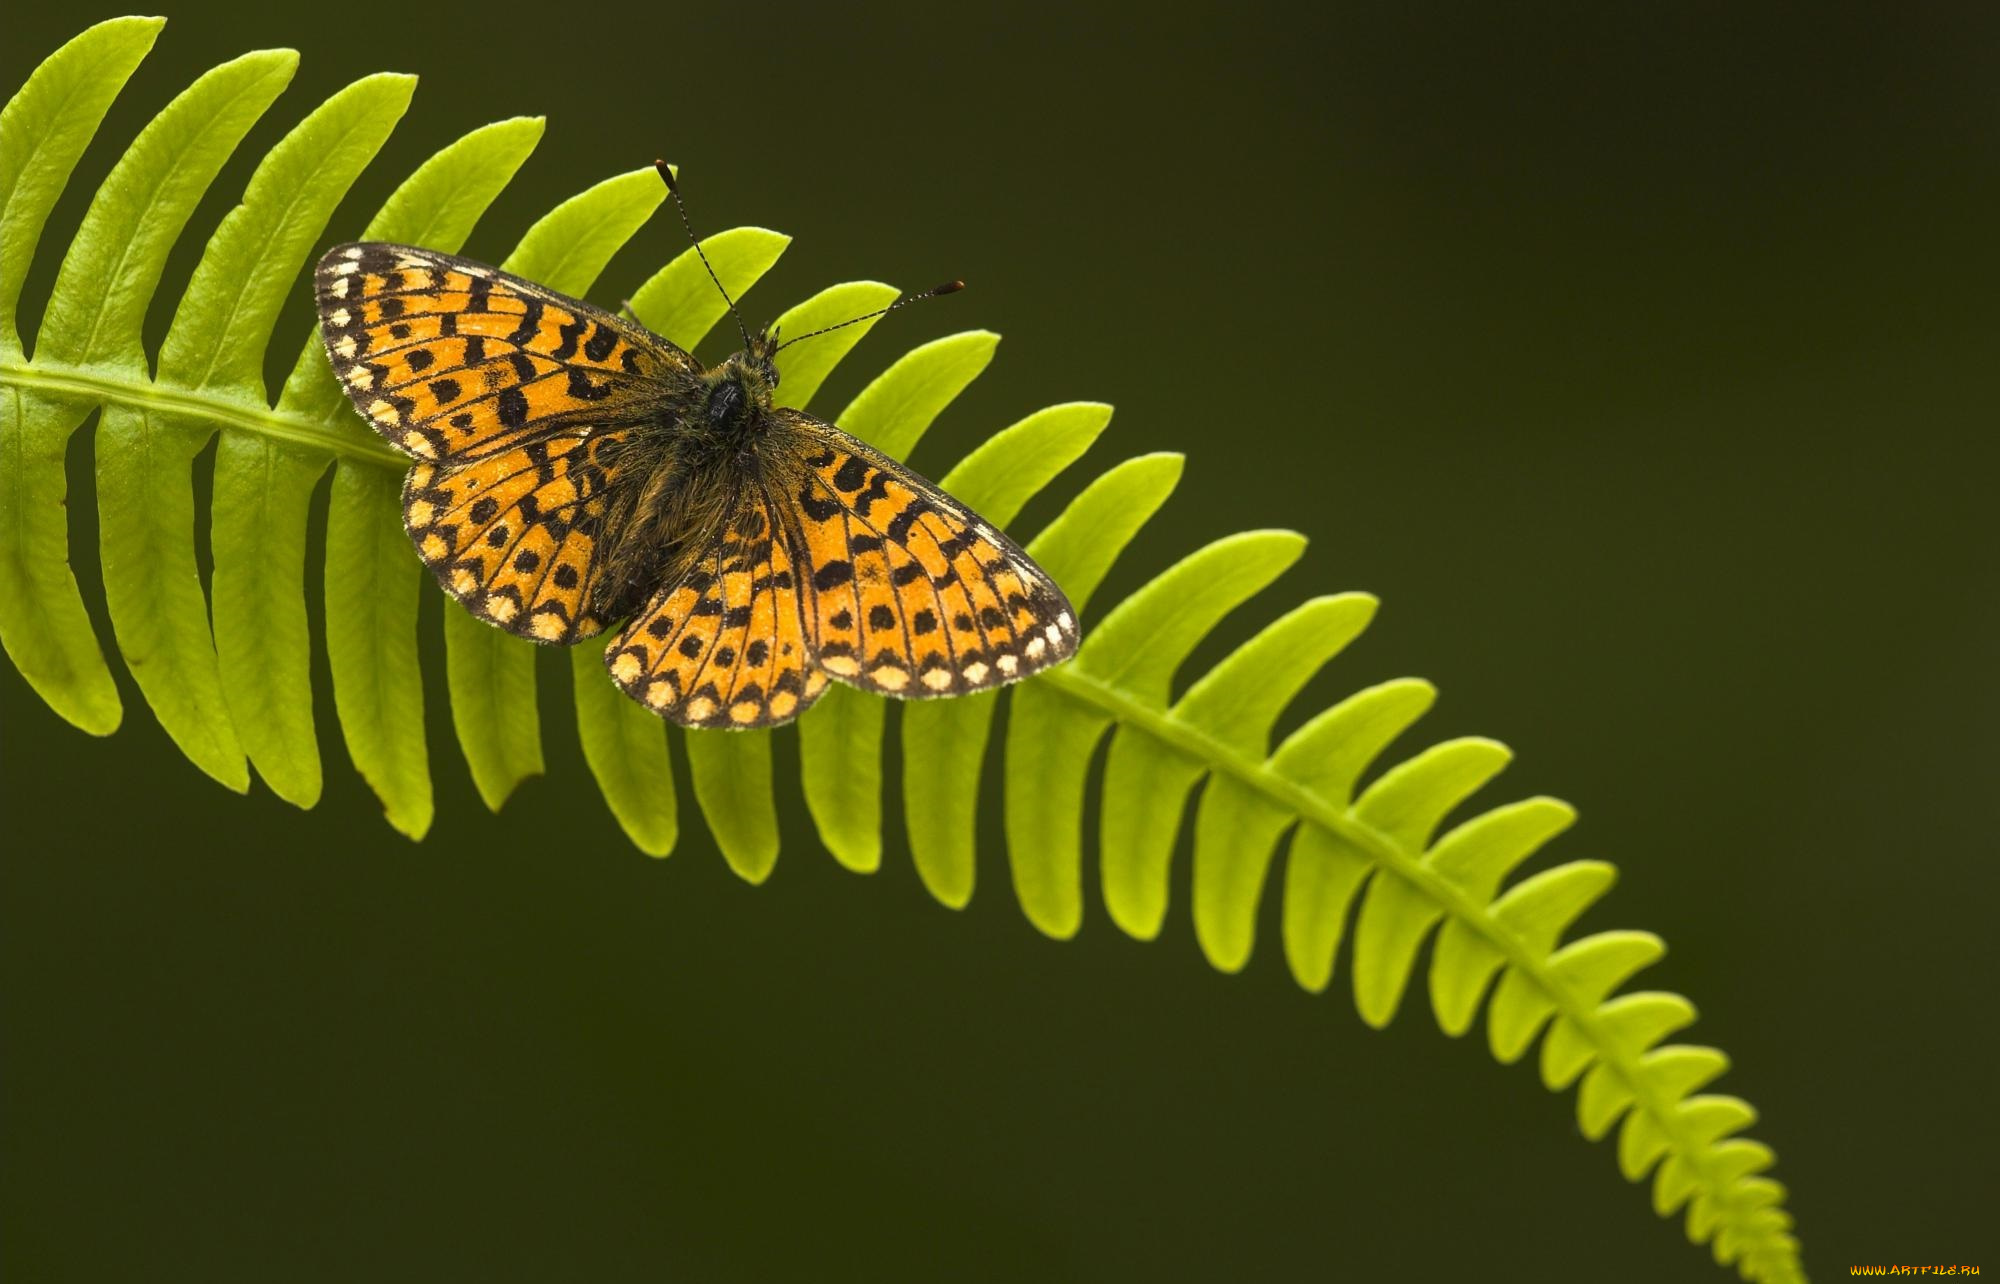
572 471
689 458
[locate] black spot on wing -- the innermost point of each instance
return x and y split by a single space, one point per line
833 574
570 333
513 408
531 322
852 474
820 510
584 388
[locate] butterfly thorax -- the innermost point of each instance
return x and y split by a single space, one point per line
736 397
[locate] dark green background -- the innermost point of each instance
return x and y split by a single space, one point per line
1643 361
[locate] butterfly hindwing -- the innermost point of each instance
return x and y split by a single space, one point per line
515 535
726 645
450 359
906 591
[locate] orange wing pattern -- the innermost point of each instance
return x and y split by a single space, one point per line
726 647
515 535
451 359
835 561
907 592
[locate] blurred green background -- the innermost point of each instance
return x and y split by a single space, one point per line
1641 359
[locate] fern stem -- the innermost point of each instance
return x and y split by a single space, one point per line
144 394
1389 855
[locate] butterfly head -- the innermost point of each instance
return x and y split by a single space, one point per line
741 387
761 359
755 369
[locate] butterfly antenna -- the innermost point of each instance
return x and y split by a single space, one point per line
674 189
949 287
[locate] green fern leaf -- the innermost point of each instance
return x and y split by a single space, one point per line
43 133
371 590
225 670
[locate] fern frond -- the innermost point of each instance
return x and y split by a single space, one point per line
226 672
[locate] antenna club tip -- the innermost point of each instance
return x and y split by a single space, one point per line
667 175
949 287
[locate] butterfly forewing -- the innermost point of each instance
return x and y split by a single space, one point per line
514 400
448 358
909 592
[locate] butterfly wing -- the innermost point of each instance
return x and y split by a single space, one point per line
906 591
515 535
515 401
450 359
725 646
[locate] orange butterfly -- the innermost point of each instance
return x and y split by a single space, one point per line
575 470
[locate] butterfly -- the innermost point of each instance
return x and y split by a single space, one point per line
573 471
